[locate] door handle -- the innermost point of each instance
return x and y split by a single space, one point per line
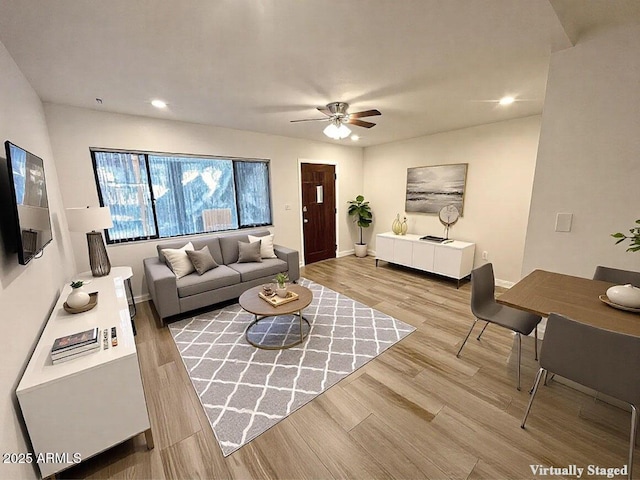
304 220
304 209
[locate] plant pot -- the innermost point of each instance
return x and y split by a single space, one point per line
281 291
78 298
360 249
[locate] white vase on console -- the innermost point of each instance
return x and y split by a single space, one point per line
78 298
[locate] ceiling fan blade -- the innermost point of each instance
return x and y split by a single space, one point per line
366 113
325 110
360 123
311 120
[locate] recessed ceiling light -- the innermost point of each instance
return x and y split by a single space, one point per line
355 138
506 100
159 104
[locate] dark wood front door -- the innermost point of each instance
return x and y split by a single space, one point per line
318 211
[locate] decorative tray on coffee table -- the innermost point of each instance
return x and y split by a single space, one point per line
276 301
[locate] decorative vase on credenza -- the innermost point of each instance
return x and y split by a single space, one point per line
396 226
78 298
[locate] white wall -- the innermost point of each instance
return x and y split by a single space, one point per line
27 293
501 158
589 156
75 130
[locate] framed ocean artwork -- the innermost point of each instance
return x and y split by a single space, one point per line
436 186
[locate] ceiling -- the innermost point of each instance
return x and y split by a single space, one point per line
428 65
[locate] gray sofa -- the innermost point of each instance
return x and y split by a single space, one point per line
173 296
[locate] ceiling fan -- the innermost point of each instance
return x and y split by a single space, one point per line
337 114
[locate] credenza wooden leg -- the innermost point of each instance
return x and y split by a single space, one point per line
148 435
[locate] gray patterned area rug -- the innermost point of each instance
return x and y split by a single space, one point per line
245 390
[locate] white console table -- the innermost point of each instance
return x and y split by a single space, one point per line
77 409
453 259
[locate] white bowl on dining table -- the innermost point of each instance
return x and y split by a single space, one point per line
625 295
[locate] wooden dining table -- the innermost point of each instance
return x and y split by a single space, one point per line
542 292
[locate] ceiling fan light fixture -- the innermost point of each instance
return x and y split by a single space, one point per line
337 131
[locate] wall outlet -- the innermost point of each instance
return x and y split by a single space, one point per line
485 255
563 222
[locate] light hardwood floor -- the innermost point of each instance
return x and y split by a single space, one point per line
416 411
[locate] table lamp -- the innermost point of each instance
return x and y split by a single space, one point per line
91 220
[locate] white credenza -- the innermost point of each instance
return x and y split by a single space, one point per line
77 409
453 259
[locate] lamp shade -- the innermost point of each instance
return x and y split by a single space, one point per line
89 219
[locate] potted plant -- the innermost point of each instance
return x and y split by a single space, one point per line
281 279
78 298
634 246
361 210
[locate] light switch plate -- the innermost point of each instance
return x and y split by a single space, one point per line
563 222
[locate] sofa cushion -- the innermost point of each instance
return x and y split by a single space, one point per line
266 245
202 260
214 247
268 268
178 260
193 284
249 252
229 247
210 241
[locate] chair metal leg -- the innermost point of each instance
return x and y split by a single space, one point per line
483 329
546 380
536 342
533 395
632 441
519 357
475 320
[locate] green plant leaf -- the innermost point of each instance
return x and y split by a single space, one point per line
634 238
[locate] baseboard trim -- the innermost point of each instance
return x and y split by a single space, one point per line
142 298
504 283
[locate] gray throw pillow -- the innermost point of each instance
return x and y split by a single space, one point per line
202 260
249 252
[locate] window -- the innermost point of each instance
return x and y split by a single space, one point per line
157 196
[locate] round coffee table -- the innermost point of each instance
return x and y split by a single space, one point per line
277 328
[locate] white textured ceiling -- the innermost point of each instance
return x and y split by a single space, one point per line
428 65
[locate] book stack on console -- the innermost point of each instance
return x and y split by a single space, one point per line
73 346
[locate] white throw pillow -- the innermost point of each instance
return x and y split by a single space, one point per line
266 247
178 260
